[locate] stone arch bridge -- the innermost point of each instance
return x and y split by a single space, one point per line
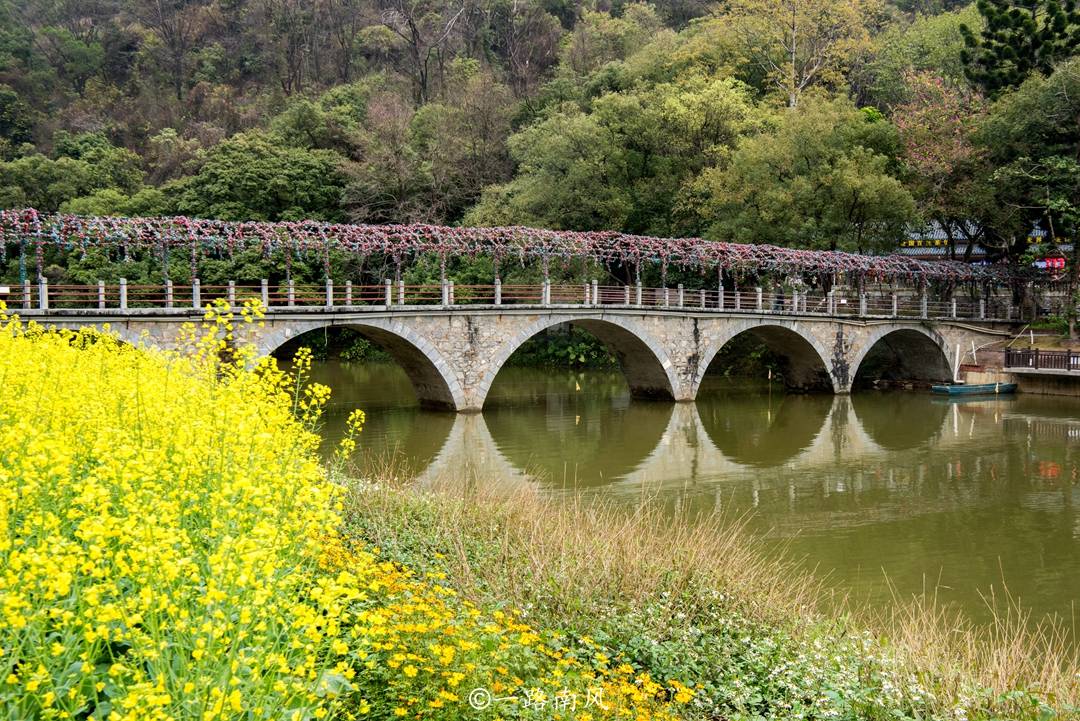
453 351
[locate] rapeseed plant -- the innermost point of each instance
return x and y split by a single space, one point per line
170 548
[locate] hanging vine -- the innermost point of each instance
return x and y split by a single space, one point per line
606 248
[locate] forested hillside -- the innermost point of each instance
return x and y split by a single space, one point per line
818 123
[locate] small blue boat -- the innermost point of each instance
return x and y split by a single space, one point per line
976 389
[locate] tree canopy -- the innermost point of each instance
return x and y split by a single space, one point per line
847 124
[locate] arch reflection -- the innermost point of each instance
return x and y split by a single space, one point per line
900 421
572 428
398 432
763 431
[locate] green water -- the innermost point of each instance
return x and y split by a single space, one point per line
880 494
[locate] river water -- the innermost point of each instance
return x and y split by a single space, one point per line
882 494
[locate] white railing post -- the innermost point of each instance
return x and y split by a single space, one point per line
862 304
923 304
667 296
348 292
637 294
400 292
895 306
682 296
545 293
168 293
232 294
587 287
291 293
101 295
329 293
595 293
701 295
626 294
498 291
445 292
123 294
196 294
830 301
452 302
952 307
43 293
388 293
982 308
26 295
795 300
264 292
720 297
757 303
738 299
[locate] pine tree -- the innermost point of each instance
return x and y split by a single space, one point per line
1020 37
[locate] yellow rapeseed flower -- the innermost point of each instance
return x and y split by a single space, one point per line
171 548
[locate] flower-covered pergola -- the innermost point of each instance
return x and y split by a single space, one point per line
29 229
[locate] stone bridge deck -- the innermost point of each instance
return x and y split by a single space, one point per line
452 342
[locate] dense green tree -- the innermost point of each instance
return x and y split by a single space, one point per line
174 28
822 177
1019 37
799 44
44 183
1033 138
16 122
254 176
1024 135
75 58
84 164
623 163
599 38
929 44
110 166
146 202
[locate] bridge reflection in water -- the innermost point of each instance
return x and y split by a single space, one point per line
901 484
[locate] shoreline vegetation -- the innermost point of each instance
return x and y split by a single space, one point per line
173 548
695 597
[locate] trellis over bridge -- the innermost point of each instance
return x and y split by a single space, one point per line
452 341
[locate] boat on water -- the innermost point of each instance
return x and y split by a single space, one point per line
974 389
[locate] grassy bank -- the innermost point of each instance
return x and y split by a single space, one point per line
696 600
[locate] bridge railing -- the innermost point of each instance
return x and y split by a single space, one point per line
113 296
1037 359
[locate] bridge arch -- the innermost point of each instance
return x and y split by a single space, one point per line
648 368
804 353
902 353
433 379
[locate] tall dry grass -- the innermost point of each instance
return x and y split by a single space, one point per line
563 557
1014 650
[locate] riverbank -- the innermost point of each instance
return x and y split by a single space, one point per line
698 601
